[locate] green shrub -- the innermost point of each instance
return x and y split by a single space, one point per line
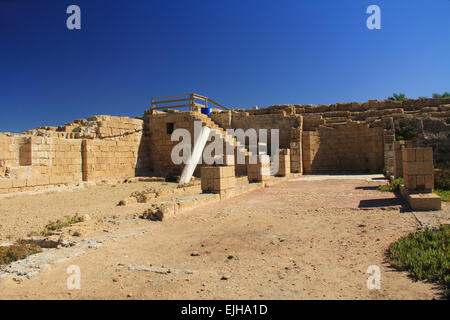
57 225
444 194
425 255
444 95
393 186
397 97
405 133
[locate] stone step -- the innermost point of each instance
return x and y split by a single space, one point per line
206 121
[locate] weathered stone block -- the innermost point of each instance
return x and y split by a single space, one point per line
217 178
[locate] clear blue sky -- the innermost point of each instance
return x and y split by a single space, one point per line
240 52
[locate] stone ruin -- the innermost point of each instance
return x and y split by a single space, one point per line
342 137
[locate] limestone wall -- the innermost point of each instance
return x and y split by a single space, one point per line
109 159
53 161
15 149
430 117
356 137
418 169
158 129
271 119
99 148
350 147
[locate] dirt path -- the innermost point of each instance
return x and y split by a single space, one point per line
296 240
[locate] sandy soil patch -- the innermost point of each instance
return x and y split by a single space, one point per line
23 214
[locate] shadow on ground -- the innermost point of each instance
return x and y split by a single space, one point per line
380 203
367 188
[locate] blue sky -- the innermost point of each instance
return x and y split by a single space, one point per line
241 53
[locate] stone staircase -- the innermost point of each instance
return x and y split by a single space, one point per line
229 140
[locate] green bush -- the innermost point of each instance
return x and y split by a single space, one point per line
405 133
397 97
444 95
425 255
444 194
393 186
55 226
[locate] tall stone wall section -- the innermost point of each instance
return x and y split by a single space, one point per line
296 153
98 148
430 117
346 148
120 151
398 157
388 141
272 119
158 129
109 159
53 161
15 149
418 169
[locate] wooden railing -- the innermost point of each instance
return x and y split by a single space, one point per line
192 101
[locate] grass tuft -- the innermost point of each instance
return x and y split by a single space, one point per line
444 194
141 196
394 185
55 226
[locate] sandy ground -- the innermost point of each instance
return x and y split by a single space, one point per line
302 239
23 214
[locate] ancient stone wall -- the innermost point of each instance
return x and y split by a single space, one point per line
53 161
418 169
357 137
296 165
15 149
109 159
429 117
159 128
398 157
272 119
349 147
99 148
